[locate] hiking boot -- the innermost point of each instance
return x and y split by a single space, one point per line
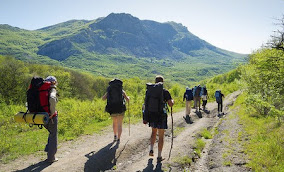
160 159
151 153
51 160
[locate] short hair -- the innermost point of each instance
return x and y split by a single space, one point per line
159 78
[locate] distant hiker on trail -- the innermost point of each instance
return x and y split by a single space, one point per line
155 113
188 96
204 96
116 97
219 99
51 147
196 97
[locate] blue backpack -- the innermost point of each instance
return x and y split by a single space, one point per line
188 94
218 96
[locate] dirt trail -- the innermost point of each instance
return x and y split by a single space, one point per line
99 153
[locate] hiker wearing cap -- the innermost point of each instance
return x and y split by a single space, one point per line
155 113
116 97
51 146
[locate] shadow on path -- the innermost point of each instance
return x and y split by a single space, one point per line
150 166
102 160
36 167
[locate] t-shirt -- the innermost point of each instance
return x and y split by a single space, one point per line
167 95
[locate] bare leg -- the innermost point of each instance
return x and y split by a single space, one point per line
161 141
119 125
153 137
114 125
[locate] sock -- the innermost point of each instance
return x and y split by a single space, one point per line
151 147
159 154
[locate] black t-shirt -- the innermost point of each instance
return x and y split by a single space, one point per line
167 95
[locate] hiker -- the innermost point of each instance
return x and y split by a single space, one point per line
156 113
51 126
219 99
204 96
196 97
188 96
116 97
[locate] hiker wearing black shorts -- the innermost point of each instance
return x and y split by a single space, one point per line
116 97
158 123
219 99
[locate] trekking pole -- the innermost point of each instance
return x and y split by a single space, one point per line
129 118
172 133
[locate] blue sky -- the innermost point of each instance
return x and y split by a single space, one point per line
237 25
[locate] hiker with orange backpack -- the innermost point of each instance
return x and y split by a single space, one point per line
155 113
42 97
116 97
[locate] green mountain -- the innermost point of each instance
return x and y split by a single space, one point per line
120 45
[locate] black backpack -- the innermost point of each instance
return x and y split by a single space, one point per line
115 99
197 91
33 95
218 96
154 100
204 91
189 94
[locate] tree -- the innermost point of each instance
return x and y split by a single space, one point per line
277 41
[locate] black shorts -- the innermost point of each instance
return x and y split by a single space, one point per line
158 121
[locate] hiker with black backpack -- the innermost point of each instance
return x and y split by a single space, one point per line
155 113
42 98
188 96
196 97
204 97
219 99
116 97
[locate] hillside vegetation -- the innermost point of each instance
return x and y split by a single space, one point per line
121 45
262 110
81 110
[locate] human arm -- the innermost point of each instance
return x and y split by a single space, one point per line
125 96
52 101
168 98
171 102
104 96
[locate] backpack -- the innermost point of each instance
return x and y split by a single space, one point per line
188 94
115 99
38 95
197 91
204 91
154 100
218 96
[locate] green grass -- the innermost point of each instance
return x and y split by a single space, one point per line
265 146
184 161
206 134
199 145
